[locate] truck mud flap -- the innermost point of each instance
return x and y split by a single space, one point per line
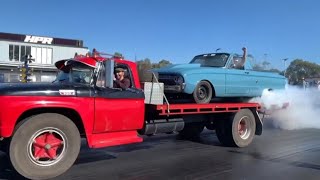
259 123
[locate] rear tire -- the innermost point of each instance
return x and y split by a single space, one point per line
203 93
191 130
44 146
238 130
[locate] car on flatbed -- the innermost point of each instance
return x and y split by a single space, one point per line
41 125
216 75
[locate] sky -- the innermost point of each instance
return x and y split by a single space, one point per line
175 30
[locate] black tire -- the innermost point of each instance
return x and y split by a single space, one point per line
191 130
211 125
202 93
238 130
4 145
55 136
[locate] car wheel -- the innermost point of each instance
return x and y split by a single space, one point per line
203 92
44 146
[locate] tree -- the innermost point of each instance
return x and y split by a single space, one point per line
145 65
162 63
275 70
117 54
257 67
250 56
300 69
265 66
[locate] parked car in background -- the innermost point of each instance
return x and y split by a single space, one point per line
212 75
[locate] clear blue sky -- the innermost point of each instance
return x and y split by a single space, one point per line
175 30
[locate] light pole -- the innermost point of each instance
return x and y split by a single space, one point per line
285 69
135 55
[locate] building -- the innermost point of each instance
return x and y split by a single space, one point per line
44 50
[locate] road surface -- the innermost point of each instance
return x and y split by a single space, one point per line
277 154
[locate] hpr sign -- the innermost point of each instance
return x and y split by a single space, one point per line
38 39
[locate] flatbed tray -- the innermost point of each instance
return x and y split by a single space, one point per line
180 109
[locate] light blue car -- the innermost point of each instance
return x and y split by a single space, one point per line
216 75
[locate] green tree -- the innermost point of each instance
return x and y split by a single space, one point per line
300 69
265 66
162 63
117 54
145 65
257 67
275 70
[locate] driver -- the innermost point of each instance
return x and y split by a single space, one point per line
120 81
239 62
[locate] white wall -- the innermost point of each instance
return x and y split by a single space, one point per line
59 52
4 51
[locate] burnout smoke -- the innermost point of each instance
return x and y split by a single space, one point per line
303 110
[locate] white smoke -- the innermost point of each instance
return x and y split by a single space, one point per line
303 110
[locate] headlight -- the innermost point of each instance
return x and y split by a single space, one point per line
178 79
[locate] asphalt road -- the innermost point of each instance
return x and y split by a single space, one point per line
277 154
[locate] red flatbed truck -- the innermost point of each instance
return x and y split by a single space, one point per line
41 124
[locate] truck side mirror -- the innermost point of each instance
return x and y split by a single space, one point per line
109 64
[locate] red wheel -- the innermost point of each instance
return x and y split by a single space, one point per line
44 146
47 147
243 129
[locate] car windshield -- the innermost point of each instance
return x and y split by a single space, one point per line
211 60
75 72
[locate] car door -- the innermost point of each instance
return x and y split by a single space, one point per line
239 82
118 109
265 80
259 80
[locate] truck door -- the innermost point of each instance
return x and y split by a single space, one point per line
117 109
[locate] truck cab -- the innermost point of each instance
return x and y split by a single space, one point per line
81 102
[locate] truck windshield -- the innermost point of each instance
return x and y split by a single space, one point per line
75 72
211 60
